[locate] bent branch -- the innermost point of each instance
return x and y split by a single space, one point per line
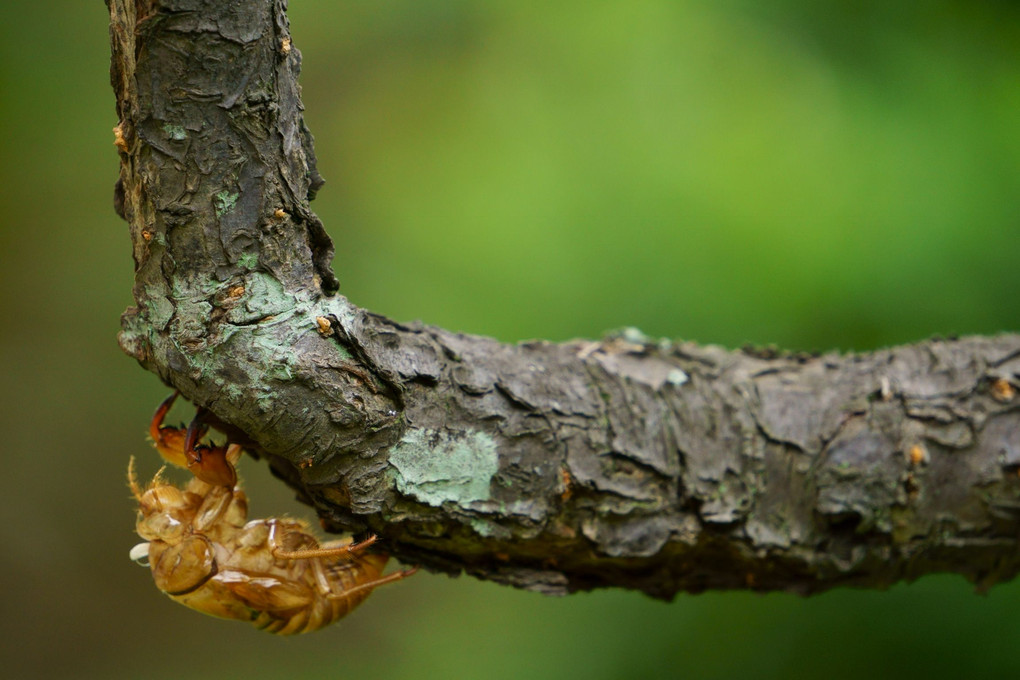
627 462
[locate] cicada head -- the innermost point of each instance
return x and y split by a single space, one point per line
165 512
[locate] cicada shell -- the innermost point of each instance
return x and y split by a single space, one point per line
205 553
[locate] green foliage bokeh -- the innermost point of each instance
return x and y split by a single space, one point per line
815 175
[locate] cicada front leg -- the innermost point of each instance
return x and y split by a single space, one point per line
212 464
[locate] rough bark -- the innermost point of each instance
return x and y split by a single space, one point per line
651 465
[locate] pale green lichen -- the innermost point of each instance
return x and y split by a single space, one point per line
444 466
175 132
529 508
265 296
224 202
248 261
633 335
134 336
483 527
233 392
159 309
274 361
346 314
676 377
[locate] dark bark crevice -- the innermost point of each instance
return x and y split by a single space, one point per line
630 462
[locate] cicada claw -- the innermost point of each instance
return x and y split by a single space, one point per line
180 446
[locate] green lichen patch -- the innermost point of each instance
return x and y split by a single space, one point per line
248 260
633 335
439 466
224 202
489 529
676 377
175 132
159 309
232 391
266 296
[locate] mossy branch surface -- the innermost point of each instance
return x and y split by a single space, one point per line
627 462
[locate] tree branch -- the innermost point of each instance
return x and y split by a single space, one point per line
626 462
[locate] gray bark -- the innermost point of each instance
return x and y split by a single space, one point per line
627 462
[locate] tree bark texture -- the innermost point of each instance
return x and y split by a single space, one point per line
627 462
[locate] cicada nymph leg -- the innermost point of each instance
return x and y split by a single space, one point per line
347 551
212 464
373 584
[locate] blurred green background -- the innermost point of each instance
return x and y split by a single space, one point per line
816 175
